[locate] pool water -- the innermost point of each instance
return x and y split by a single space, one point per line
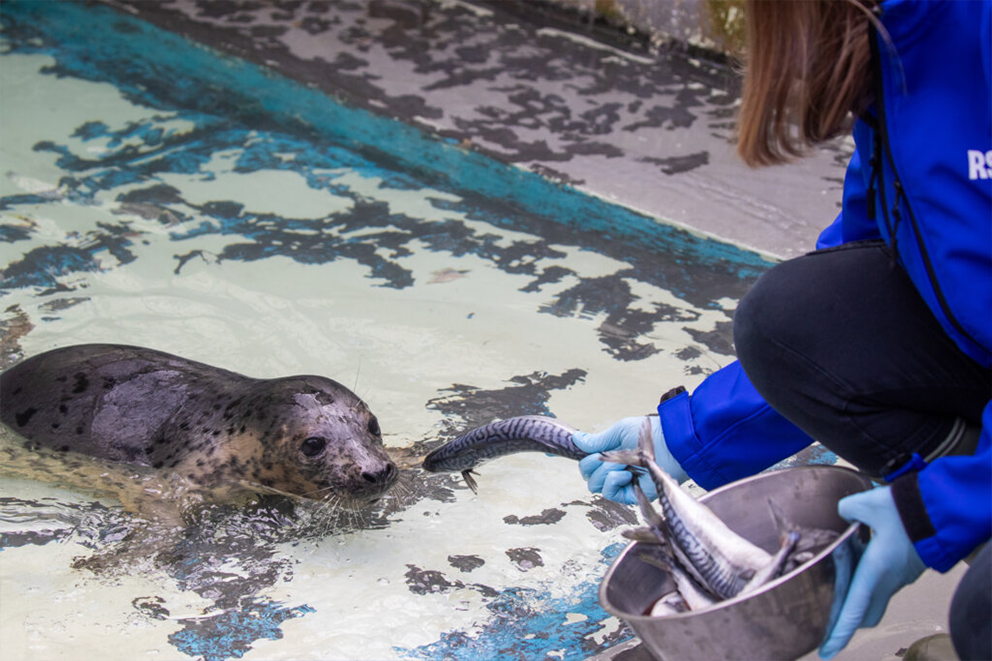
142 208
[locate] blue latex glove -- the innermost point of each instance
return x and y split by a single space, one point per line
889 563
613 480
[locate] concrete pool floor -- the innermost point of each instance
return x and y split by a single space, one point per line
650 131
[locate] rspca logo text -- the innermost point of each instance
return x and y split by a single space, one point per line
979 164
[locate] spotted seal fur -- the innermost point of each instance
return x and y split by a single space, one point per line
219 431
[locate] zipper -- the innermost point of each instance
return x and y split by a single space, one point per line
882 150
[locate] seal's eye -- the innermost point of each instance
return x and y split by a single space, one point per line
313 446
374 426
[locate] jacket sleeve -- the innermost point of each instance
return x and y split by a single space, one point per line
946 508
725 430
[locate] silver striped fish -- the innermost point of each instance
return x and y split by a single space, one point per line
525 433
713 554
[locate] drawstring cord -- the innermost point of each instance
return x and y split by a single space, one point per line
898 217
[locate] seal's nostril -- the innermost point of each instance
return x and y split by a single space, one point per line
379 476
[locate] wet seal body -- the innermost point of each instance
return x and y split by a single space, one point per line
219 431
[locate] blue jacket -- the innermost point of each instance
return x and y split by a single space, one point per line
938 108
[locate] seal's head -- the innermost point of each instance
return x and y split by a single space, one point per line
312 437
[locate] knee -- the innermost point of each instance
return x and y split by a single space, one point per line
748 331
764 318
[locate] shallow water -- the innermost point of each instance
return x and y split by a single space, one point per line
244 243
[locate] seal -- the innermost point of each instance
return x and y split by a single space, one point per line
219 431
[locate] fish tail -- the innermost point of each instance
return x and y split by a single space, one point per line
782 523
645 442
775 566
628 457
647 510
644 535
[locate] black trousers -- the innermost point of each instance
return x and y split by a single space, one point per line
840 343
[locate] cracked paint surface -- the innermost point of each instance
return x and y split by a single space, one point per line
621 122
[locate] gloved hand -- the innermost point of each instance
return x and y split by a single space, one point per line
888 563
613 480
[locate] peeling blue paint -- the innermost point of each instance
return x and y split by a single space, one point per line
192 76
531 624
811 455
230 634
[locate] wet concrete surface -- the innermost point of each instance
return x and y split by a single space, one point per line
651 130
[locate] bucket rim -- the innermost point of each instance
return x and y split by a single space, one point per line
828 550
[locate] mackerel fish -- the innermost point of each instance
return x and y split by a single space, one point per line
526 433
718 560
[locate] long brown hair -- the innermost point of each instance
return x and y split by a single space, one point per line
807 66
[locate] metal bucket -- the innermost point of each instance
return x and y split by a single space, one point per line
783 620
